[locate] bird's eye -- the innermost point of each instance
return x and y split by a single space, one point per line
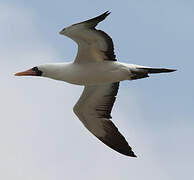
35 69
38 72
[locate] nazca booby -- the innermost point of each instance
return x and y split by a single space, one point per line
95 67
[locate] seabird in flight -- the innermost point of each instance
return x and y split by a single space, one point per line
97 69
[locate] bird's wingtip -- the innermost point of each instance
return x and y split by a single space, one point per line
108 12
132 154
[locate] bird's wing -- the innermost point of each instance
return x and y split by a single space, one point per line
94 109
93 45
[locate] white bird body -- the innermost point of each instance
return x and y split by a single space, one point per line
95 67
93 73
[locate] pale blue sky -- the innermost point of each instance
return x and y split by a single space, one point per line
40 136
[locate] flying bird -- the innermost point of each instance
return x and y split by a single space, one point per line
97 69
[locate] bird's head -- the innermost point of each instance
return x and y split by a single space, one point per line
35 71
45 70
52 70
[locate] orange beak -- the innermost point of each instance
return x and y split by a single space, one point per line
29 72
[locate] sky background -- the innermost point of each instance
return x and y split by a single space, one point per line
40 136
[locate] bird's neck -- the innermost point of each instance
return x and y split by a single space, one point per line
55 71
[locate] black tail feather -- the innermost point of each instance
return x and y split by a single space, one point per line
157 70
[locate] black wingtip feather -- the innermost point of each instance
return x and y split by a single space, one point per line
91 23
103 16
131 154
107 12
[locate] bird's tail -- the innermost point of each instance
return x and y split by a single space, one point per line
142 72
156 70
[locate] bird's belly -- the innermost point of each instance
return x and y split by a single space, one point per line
94 75
93 79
